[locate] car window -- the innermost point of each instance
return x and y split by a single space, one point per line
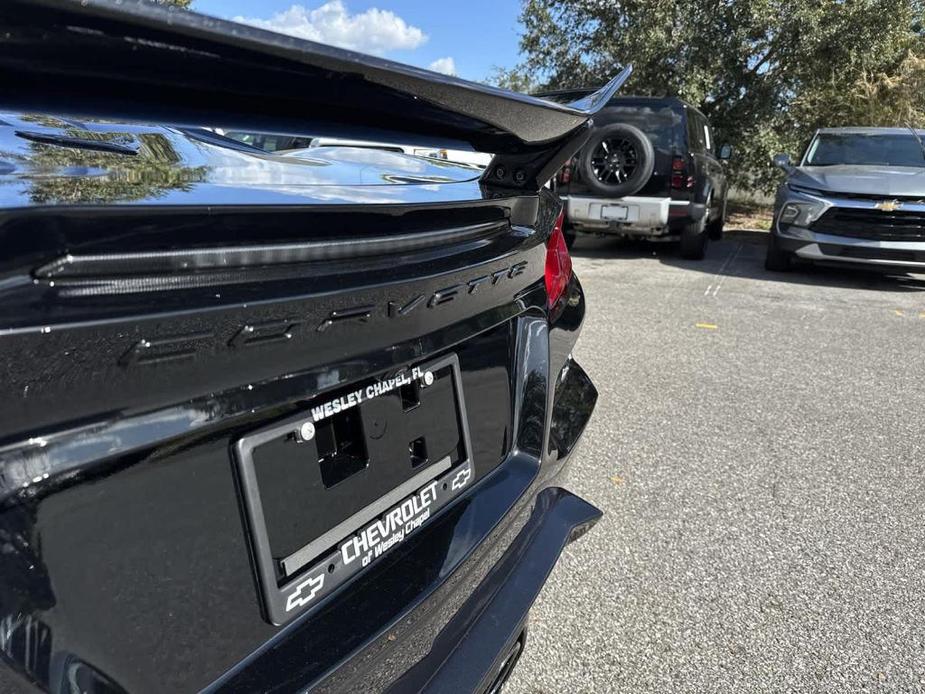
696 132
859 149
662 124
269 142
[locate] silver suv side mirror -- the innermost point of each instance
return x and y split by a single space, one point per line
782 161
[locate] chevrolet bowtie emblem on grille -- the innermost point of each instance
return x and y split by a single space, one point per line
888 205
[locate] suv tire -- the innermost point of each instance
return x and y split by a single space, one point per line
617 161
694 239
715 228
776 259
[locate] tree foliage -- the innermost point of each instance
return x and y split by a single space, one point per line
67 175
765 72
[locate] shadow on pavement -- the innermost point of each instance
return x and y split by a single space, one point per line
741 254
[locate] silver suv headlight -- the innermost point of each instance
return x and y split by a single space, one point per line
800 214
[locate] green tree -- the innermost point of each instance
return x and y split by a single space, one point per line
185 4
874 98
515 79
765 72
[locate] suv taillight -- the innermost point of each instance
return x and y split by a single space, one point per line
679 178
565 173
558 263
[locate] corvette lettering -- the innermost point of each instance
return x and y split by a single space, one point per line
172 348
440 297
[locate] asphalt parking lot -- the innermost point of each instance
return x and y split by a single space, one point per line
757 449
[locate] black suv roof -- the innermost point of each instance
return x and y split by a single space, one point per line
567 95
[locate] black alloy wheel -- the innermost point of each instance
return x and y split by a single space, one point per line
614 160
617 161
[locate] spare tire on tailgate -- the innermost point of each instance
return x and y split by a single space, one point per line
617 161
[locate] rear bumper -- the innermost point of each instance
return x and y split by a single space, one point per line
445 608
470 652
459 637
650 217
829 248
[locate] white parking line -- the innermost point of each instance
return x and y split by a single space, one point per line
720 276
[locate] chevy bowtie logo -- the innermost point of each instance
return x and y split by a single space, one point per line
461 478
310 586
888 205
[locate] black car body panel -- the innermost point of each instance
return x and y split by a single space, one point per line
167 295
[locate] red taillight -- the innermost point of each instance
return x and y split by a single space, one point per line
558 264
679 178
565 173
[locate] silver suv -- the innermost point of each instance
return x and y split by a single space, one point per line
857 196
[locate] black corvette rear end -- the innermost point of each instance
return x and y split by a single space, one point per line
272 423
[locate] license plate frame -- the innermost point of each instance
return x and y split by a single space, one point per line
615 213
412 503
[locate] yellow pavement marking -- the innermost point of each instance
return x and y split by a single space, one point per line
617 480
706 326
897 312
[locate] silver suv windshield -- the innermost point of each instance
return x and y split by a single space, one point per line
888 149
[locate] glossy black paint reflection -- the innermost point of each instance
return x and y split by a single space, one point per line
92 343
468 654
126 560
192 571
173 167
429 575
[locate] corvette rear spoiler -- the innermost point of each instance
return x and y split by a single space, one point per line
138 60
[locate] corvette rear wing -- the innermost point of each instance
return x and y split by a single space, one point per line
137 60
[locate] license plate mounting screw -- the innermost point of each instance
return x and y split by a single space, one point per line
305 432
428 378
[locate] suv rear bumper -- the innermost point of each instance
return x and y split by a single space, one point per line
651 217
